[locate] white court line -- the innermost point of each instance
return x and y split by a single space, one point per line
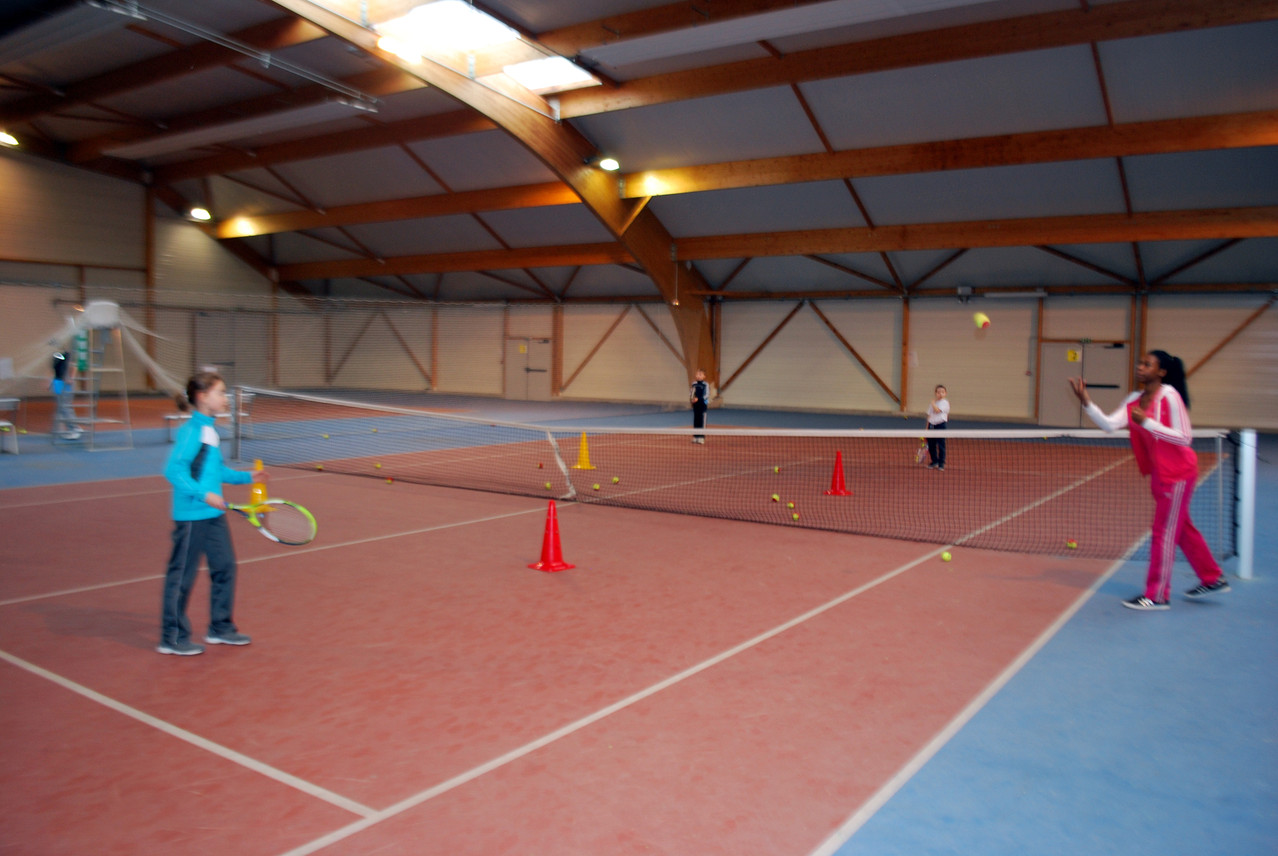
65 500
573 727
172 730
291 552
867 810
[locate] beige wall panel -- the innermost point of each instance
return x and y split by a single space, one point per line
470 350
69 216
373 356
186 259
1096 318
805 366
29 318
633 364
533 322
301 351
1238 387
984 370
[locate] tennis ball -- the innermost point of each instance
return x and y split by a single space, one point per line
22 430
539 465
379 466
982 320
1071 544
319 466
776 497
374 430
547 485
789 505
615 479
596 487
794 516
390 481
945 557
325 436
776 469
5 429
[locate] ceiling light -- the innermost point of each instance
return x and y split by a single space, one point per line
200 214
8 139
609 164
552 74
447 26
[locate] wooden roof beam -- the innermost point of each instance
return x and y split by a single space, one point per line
342 142
270 35
438 205
1199 133
1220 223
1096 23
1075 229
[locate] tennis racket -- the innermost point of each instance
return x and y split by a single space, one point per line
918 456
279 520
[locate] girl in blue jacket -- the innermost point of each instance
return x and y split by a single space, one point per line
197 472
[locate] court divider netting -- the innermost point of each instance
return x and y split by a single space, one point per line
1040 490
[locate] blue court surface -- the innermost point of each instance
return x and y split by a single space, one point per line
1123 733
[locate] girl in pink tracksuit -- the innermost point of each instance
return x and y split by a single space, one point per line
1158 416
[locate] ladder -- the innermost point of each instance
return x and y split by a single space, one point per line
101 392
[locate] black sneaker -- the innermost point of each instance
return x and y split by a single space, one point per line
1220 585
933 466
182 649
231 638
1145 603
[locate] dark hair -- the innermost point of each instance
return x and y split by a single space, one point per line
199 382
1175 377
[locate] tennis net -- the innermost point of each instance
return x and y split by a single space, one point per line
1072 491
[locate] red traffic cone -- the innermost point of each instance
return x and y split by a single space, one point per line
552 558
837 488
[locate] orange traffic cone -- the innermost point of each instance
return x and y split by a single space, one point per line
837 488
552 558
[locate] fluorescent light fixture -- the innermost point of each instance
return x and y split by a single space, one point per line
207 135
200 214
447 26
399 48
552 74
1038 292
8 139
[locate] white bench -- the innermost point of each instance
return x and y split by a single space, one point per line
8 438
173 420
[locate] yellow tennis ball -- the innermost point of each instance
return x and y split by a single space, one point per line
945 557
789 505
596 487
982 320
319 466
1071 544
374 430
795 516
776 469
390 481
615 479
776 497
547 485
379 466
325 436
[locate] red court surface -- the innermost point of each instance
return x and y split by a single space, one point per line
693 686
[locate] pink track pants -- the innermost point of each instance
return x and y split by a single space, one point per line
1172 528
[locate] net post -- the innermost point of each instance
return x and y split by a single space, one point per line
237 402
1246 501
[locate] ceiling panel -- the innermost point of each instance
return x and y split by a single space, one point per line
994 193
1219 179
1036 91
367 176
476 161
785 208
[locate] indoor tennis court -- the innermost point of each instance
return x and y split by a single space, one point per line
727 427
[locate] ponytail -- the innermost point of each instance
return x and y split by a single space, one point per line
1175 377
199 382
